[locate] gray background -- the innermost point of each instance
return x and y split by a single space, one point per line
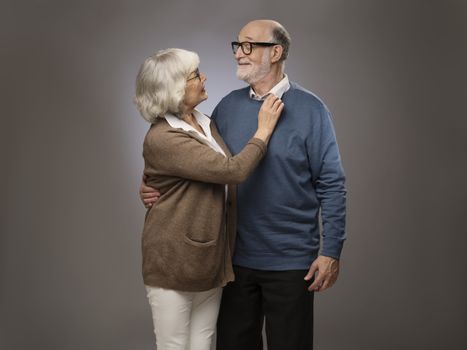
393 74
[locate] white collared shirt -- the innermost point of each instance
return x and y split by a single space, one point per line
203 121
279 89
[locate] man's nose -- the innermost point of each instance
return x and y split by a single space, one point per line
203 77
239 54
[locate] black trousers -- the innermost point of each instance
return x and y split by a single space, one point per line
281 297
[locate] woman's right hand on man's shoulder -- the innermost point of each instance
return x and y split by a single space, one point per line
268 116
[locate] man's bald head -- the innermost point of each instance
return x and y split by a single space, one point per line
269 30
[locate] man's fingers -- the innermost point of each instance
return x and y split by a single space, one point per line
311 272
147 189
150 200
326 284
328 281
317 282
315 286
147 195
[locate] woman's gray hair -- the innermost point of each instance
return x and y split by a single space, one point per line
161 81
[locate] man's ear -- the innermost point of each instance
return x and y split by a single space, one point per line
276 53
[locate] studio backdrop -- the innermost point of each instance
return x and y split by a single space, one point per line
391 72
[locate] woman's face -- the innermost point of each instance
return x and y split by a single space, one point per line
195 92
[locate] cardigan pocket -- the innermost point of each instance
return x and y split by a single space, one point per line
197 243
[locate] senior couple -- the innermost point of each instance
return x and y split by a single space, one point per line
232 234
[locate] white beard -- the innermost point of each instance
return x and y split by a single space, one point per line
255 72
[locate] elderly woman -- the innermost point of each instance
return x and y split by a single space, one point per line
189 232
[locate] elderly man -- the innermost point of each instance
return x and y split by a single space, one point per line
278 263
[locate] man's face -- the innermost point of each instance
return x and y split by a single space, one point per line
255 66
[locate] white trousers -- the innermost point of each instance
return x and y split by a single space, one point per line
184 320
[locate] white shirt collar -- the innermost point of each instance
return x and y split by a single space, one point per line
279 89
202 120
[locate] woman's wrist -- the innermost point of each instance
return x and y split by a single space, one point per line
263 135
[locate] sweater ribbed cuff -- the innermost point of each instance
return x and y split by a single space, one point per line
332 248
260 143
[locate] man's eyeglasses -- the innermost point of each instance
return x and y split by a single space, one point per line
197 75
247 46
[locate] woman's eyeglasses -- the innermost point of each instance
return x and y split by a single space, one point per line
197 75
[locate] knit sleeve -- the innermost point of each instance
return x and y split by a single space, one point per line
329 179
176 153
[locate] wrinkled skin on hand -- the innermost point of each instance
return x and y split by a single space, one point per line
326 270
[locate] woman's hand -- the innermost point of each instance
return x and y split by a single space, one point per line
268 116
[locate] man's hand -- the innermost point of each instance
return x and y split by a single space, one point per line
327 268
148 195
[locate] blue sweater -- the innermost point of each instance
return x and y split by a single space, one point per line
279 204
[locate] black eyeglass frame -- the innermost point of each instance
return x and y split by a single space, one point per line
198 75
236 45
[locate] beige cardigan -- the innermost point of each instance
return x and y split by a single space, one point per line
185 244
